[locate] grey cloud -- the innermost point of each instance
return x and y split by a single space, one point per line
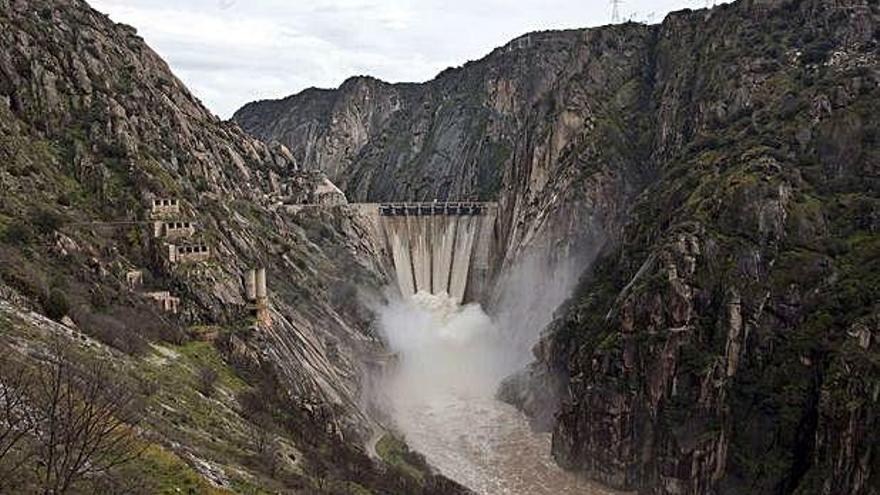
230 52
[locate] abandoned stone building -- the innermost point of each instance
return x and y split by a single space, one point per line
308 187
520 43
173 230
165 207
164 301
134 279
327 194
188 253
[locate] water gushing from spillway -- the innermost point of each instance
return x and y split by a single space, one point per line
442 254
441 397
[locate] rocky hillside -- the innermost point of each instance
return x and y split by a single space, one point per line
725 163
728 342
93 129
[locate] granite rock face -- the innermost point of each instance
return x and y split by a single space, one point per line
529 126
93 128
117 129
716 176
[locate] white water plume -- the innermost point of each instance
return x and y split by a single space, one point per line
443 347
451 359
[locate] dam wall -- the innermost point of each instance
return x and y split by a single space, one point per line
437 248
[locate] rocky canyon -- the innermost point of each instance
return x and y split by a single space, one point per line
635 258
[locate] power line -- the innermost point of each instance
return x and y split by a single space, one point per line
98 224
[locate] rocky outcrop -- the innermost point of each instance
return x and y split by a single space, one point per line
705 352
119 129
93 128
725 163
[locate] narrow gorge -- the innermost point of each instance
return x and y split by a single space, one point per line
457 330
639 258
704 191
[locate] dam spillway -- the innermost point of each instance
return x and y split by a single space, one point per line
436 248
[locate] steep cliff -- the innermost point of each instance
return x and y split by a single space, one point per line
725 164
549 122
725 338
93 128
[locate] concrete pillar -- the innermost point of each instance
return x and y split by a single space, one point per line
262 293
262 301
250 285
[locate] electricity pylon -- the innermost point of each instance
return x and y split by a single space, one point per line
615 11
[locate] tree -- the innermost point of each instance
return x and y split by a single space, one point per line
86 423
55 304
320 472
266 444
46 222
262 434
270 456
17 421
207 379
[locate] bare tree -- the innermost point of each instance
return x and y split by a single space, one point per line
266 444
261 437
206 381
86 424
16 418
271 457
320 471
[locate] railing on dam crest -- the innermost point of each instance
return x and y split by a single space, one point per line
435 208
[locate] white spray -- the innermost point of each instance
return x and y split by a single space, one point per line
441 398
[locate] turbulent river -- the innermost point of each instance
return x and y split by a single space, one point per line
441 398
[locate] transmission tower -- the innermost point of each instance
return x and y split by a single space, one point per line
615 11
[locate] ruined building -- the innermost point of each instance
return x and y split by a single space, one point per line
134 279
165 301
170 229
188 253
308 187
173 230
165 207
327 194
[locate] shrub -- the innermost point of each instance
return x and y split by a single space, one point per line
817 52
46 222
55 304
17 233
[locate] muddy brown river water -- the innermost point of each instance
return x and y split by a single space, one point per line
487 446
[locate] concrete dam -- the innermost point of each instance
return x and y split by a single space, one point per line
450 355
436 248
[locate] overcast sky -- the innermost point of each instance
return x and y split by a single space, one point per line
230 52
